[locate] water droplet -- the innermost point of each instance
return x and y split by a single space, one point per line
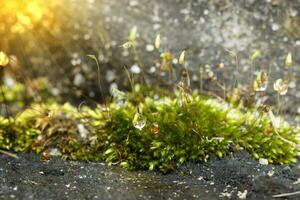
119 96
261 82
139 121
259 86
155 128
281 86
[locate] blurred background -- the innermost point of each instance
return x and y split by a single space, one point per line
48 42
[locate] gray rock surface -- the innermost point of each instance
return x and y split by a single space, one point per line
228 178
207 30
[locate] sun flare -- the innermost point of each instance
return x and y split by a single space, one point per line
22 15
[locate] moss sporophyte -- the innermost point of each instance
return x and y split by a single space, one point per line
157 136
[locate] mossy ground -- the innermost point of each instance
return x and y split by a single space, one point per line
176 131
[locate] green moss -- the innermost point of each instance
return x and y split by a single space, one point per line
175 132
19 95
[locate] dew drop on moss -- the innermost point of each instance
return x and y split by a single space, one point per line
139 121
155 128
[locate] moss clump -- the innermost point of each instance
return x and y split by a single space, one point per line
176 131
19 95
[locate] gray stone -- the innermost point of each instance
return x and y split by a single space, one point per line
207 30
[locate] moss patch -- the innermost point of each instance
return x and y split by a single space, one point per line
176 131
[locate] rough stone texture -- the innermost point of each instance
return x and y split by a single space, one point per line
30 178
206 30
